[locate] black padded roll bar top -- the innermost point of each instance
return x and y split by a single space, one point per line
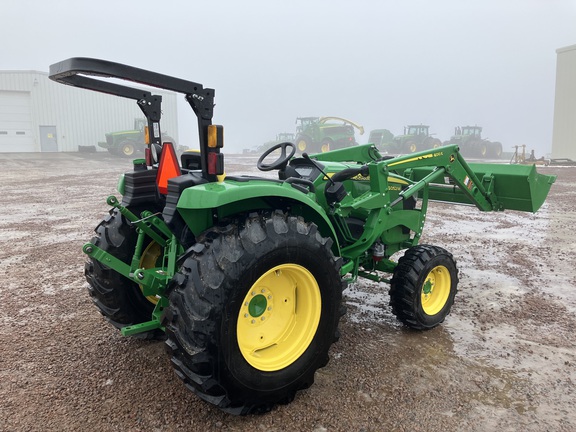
78 72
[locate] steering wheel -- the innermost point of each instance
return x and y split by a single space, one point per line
282 160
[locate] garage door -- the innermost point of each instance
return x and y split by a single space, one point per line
15 122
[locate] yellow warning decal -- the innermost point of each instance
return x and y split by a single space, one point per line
427 156
360 177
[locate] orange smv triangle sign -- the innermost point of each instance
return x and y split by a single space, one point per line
168 167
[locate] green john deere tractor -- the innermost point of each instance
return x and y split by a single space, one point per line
244 275
381 138
281 137
415 138
315 134
129 143
471 143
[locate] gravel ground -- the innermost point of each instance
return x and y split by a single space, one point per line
505 359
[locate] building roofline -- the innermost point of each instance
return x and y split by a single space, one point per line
24 71
565 49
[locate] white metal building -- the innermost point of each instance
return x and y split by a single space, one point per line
40 115
564 129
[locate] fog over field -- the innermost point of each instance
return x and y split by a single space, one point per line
382 64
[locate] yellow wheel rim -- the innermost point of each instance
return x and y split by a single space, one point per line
436 290
279 317
149 259
325 147
301 145
412 148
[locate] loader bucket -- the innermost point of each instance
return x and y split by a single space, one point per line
517 187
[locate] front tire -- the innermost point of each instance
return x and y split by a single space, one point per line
423 286
254 311
326 145
303 143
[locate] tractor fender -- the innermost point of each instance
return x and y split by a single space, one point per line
203 205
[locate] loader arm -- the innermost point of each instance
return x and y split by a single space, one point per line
444 162
490 187
440 174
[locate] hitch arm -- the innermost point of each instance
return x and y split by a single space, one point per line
143 223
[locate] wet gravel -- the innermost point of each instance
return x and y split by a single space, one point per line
505 359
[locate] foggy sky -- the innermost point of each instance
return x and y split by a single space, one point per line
383 64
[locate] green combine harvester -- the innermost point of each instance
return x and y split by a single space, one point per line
242 275
316 134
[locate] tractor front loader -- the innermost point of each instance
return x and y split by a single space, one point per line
244 275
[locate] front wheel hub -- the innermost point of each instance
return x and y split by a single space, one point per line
435 290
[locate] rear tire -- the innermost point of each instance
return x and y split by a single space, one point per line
127 148
431 143
119 299
495 150
410 147
423 286
481 149
254 311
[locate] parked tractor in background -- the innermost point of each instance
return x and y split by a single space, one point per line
381 138
284 137
128 143
415 138
243 275
471 143
314 135
281 137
